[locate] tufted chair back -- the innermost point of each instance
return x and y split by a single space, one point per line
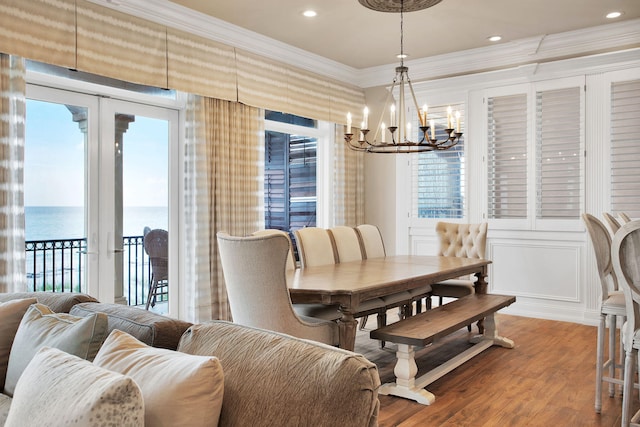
462 240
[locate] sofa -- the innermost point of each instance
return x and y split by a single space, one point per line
270 379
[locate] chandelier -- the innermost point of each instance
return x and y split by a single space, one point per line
399 129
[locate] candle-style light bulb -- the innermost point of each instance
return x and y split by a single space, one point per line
432 125
449 118
458 121
365 123
408 135
423 118
383 131
392 114
349 122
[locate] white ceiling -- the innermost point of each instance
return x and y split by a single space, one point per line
346 32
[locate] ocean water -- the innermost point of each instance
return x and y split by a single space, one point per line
63 222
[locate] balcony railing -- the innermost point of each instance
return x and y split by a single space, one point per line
59 266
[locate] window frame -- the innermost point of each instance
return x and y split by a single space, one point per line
531 222
438 99
324 166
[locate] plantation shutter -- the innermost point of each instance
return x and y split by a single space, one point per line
302 181
439 176
625 147
507 156
559 124
290 181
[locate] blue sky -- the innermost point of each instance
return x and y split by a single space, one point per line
54 159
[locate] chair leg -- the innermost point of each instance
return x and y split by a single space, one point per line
599 362
419 306
612 353
151 297
627 393
363 322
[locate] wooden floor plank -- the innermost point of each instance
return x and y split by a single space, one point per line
548 379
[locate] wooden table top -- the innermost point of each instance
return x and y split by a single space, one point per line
376 277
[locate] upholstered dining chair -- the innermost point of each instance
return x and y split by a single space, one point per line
463 241
254 270
372 242
315 247
612 305
625 257
156 245
347 243
321 311
612 222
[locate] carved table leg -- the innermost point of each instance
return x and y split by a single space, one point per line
347 326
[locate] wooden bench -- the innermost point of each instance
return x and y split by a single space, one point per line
425 328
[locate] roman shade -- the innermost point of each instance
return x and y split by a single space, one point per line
81 35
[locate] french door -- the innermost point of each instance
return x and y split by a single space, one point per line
113 164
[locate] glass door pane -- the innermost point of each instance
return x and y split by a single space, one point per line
135 193
141 201
55 192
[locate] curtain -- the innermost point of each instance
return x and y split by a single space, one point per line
12 125
348 195
223 182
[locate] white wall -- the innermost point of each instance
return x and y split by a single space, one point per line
551 271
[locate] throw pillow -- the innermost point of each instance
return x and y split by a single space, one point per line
80 336
58 389
11 313
179 389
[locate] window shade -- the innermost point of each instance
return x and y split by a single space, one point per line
439 176
559 174
39 29
625 147
507 156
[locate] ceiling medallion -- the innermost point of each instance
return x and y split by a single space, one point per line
396 6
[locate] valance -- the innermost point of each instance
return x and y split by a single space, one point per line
81 35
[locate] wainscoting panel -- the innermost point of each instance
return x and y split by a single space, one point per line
546 271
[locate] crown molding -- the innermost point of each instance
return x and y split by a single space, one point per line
518 53
184 19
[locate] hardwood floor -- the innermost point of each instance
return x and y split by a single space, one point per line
548 379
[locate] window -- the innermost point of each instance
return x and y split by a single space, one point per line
291 158
507 156
544 120
625 150
439 176
558 154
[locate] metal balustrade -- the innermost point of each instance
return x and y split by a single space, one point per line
59 266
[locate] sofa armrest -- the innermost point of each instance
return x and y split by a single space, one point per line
151 328
58 302
272 379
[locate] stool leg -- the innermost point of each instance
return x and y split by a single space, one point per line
627 393
612 353
599 362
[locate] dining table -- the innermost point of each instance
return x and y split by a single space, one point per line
349 284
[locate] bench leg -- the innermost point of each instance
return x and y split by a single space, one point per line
491 334
405 371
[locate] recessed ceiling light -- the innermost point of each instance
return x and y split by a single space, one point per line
495 38
309 13
613 15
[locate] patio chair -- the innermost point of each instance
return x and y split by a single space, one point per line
156 246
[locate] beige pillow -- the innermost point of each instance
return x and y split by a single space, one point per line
11 313
58 389
179 389
80 336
